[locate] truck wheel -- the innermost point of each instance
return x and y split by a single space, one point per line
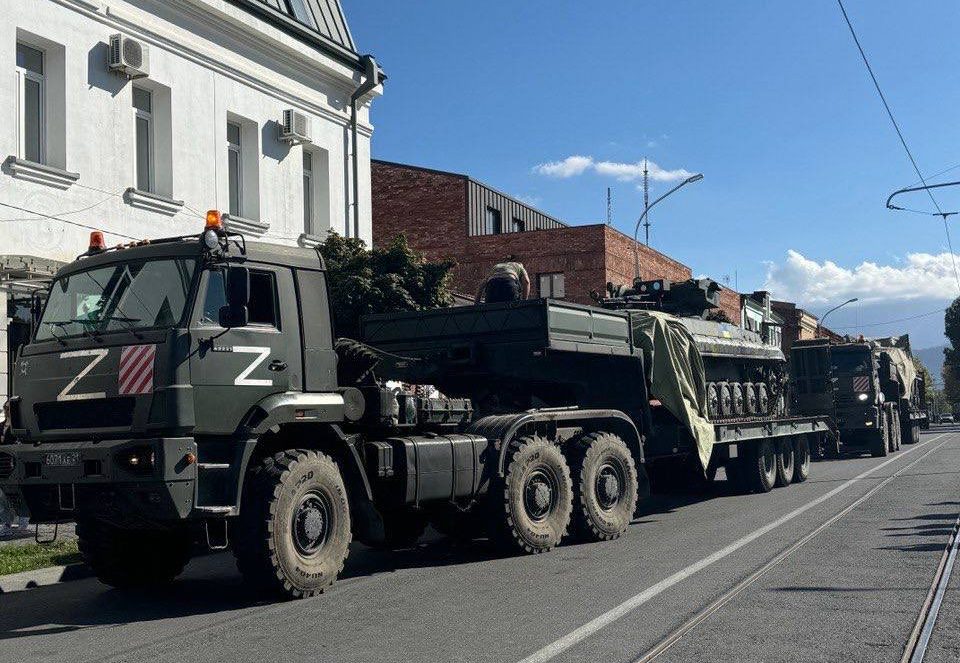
132 558
531 505
605 487
293 532
801 459
879 447
899 426
402 528
785 462
761 468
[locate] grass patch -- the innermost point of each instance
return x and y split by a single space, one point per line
17 558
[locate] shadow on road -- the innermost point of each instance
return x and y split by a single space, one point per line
940 525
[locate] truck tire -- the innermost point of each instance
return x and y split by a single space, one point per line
760 471
898 425
878 448
785 462
531 505
132 558
293 532
402 528
605 486
801 458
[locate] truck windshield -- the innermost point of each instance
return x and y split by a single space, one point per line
134 295
851 361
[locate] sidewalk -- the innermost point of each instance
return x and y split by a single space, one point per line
17 537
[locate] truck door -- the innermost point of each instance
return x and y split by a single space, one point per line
233 369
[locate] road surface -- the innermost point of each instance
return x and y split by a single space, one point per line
835 569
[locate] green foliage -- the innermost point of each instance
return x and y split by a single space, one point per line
927 378
718 315
951 363
15 558
395 278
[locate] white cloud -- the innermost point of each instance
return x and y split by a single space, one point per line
918 276
623 172
569 167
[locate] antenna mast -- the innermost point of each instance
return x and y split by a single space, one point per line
609 207
646 203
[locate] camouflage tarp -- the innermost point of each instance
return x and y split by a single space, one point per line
903 370
676 373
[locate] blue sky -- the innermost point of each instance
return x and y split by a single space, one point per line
768 99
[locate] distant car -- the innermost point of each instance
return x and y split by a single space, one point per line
946 419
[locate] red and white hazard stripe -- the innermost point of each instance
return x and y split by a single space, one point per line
136 369
861 383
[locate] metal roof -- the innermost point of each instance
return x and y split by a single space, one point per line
320 23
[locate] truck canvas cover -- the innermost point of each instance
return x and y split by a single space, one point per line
676 373
904 370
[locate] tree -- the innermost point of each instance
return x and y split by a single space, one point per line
927 378
395 278
951 360
718 315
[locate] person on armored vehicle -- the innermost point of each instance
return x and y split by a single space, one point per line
508 282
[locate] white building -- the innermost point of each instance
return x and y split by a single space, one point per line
86 145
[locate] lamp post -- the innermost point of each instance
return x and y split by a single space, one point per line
820 323
636 230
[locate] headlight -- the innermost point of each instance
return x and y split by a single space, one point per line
862 397
211 239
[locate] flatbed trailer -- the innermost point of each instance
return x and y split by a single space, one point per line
545 353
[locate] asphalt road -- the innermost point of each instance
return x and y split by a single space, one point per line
833 569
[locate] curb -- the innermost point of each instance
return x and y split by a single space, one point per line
52 575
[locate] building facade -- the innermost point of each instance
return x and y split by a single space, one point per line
758 316
799 325
448 215
186 109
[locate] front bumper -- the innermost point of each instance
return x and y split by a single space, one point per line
56 482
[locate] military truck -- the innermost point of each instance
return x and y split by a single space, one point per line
869 387
191 391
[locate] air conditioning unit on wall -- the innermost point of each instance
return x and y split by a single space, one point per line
295 128
129 57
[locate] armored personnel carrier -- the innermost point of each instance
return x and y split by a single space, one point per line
745 377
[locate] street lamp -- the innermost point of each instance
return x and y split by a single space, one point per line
820 324
636 231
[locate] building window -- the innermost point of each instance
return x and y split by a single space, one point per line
243 168
307 192
302 13
143 112
235 168
519 225
31 93
551 285
494 221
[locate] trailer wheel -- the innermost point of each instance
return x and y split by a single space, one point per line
132 558
605 487
785 462
761 469
531 506
878 449
293 532
899 427
801 458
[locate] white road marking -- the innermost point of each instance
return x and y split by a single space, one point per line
582 633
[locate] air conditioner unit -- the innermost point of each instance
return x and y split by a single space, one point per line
129 57
295 128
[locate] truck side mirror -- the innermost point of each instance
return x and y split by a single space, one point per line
236 313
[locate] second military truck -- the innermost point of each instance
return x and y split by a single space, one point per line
192 390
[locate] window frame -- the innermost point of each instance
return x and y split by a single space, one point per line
277 322
518 225
493 221
237 150
146 116
551 279
23 75
309 202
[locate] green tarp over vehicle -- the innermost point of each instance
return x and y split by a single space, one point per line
903 369
676 373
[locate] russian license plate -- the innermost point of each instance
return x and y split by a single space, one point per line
62 459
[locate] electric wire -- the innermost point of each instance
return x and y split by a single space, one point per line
903 141
940 311
67 221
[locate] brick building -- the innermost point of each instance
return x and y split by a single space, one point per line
449 215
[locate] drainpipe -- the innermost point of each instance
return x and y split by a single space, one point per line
371 79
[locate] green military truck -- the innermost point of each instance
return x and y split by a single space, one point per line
191 391
869 387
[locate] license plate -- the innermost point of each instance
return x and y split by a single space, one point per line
62 459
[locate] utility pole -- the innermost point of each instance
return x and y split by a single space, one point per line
609 207
646 203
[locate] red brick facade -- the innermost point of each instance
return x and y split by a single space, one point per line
430 208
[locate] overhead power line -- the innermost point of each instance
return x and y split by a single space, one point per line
62 220
903 141
890 322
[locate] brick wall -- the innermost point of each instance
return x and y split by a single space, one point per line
620 260
730 304
427 206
